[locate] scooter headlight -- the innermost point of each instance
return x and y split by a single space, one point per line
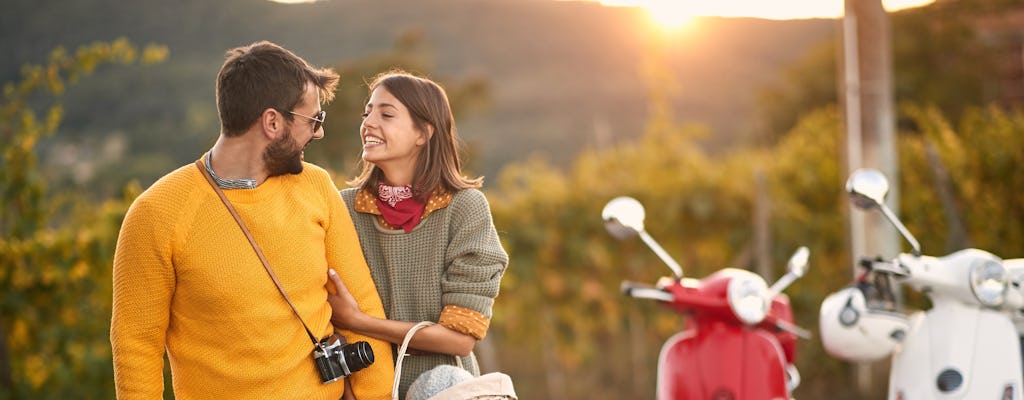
988 282
748 297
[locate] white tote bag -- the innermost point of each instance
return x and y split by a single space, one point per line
491 386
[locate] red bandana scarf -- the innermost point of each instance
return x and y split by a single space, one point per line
399 207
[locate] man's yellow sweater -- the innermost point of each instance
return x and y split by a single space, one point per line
186 281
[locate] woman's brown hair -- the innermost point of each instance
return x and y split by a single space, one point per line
437 165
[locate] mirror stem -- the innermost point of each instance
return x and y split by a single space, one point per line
676 269
780 285
903 230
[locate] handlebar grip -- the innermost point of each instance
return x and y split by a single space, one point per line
644 291
627 287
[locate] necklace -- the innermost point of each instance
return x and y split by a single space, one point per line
393 194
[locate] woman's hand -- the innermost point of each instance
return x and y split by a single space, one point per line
347 315
348 395
345 312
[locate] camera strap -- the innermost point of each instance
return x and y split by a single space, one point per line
252 241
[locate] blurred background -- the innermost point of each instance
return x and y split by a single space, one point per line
728 124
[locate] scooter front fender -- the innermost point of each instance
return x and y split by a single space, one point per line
954 351
722 361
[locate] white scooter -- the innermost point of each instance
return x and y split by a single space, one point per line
964 347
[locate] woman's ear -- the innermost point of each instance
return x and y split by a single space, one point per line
425 136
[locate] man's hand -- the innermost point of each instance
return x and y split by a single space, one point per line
345 311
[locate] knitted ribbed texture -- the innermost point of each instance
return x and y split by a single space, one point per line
187 280
453 257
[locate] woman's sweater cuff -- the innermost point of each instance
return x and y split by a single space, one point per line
464 320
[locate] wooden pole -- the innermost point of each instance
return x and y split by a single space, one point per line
869 122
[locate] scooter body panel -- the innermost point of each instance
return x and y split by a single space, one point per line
718 360
955 351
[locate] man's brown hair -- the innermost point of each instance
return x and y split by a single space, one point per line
264 75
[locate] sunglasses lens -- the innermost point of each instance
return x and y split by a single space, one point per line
320 118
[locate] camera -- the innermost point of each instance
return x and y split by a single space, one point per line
335 360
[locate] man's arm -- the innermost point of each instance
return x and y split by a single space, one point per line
345 256
143 282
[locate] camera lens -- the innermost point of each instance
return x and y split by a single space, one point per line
357 355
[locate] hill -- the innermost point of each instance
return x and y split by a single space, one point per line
564 75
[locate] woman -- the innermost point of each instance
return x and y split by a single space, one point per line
425 229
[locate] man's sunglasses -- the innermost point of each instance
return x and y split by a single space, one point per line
318 118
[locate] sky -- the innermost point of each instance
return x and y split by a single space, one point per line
674 13
683 10
677 13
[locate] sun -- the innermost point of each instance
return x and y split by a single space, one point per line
670 15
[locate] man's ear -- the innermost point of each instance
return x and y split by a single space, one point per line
273 123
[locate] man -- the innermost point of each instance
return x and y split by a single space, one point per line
187 281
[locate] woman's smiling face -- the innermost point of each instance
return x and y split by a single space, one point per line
389 134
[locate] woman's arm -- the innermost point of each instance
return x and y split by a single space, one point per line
434 339
474 264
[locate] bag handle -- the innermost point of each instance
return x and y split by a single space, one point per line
252 241
402 353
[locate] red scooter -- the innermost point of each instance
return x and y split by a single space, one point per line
740 340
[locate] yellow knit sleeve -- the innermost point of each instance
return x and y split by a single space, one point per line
143 283
346 256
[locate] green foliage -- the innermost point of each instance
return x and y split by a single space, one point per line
941 57
561 308
55 248
807 84
925 52
698 208
980 166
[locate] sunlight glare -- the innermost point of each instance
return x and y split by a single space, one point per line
668 14
676 13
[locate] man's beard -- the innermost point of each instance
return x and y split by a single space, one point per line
283 156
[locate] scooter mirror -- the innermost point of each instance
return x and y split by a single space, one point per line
867 188
623 217
798 262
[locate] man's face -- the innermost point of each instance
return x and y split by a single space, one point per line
284 155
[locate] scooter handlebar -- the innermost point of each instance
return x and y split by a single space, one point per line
889 267
791 328
645 291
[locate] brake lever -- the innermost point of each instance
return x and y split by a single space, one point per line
792 328
888 267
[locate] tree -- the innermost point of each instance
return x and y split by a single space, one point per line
972 178
56 248
939 59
